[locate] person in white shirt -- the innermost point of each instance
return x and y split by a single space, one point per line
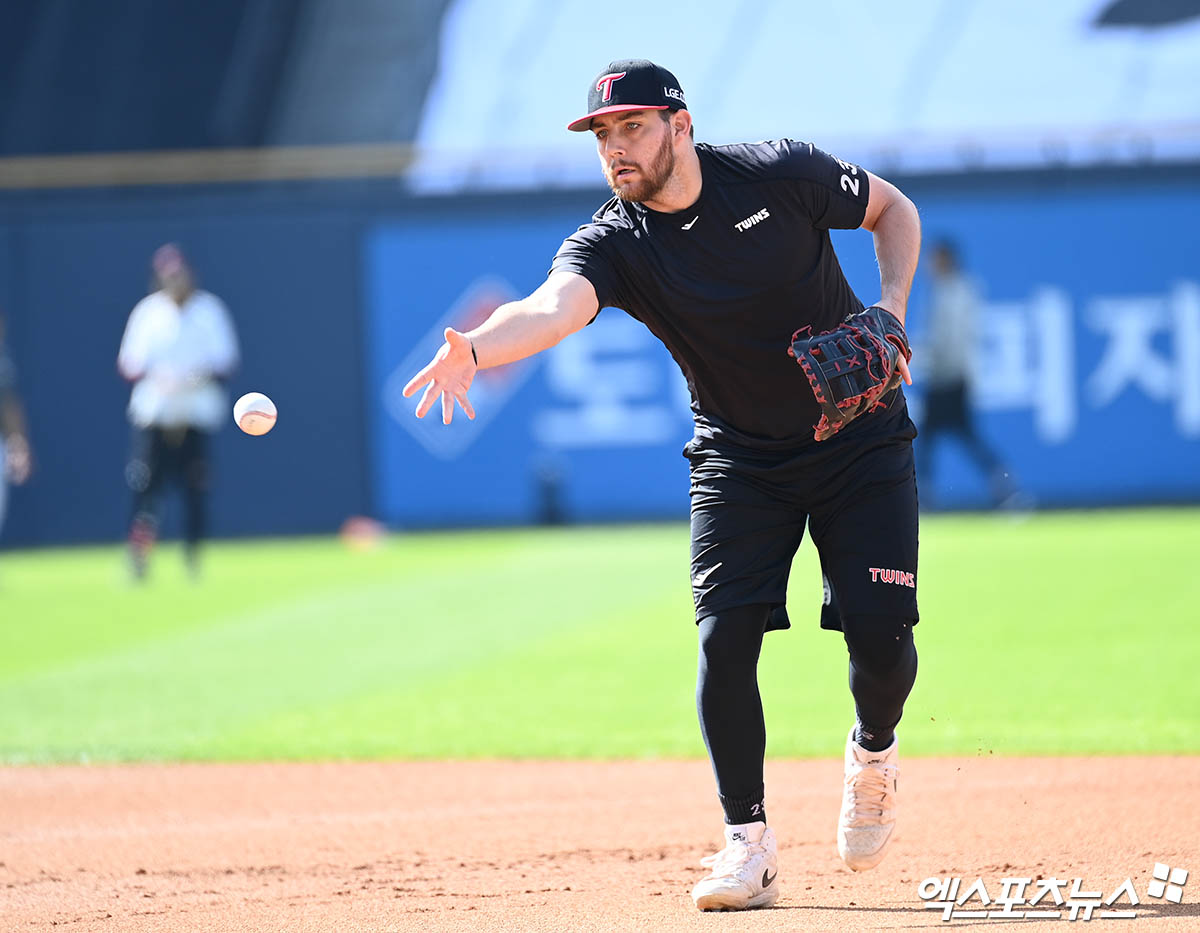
947 364
179 347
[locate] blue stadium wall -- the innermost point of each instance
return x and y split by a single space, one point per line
1089 380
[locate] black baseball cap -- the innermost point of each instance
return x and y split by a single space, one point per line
630 84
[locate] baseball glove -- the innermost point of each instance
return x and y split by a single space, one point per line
851 367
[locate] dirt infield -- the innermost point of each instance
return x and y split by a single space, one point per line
554 846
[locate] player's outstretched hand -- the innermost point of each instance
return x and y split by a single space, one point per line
449 375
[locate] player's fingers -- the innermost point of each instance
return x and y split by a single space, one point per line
902 366
427 400
466 404
418 380
447 407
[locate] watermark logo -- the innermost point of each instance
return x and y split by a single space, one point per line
1046 898
1167 882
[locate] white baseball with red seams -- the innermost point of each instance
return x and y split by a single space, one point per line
254 413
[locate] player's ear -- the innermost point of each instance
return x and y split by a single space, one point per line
681 123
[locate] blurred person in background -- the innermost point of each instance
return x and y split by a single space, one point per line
949 357
178 349
16 456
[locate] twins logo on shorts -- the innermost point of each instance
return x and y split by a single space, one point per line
898 577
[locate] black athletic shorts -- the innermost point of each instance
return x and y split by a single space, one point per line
856 491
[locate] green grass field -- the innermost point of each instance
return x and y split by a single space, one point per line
1063 634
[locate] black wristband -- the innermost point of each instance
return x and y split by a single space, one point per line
473 355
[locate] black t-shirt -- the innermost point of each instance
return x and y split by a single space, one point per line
725 283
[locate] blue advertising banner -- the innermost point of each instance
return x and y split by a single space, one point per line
1087 377
589 430
1088 361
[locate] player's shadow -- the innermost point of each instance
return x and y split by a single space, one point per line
1153 910
1168 910
861 916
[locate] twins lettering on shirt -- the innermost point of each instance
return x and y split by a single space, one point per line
742 225
898 577
757 217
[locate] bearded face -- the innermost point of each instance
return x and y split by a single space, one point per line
632 180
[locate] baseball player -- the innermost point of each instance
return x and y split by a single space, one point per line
954 308
16 457
723 252
179 346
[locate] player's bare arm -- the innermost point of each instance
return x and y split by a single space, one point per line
561 305
894 221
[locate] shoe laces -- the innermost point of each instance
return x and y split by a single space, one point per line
729 858
871 788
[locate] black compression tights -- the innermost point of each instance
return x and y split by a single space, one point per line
731 714
147 507
883 666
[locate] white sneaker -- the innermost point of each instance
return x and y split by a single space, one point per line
744 873
868 804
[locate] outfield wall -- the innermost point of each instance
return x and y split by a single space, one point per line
71 269
1089 379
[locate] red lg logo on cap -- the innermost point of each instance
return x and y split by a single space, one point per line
605 84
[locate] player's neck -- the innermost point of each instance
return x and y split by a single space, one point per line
683 188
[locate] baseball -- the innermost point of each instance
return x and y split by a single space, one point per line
254 413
